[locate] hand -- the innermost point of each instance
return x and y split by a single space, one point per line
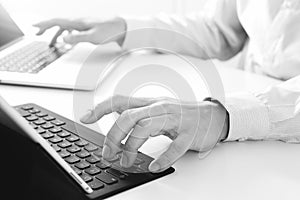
191 126
96 32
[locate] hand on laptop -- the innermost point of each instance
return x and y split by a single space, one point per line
96 32
191 126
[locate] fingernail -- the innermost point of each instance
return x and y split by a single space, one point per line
154 167
124 160
106 152
85 117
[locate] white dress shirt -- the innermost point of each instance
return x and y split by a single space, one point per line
267 31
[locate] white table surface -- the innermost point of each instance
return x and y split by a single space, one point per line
244 170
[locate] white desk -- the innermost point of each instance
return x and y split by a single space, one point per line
246 170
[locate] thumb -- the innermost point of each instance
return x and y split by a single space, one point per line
75 38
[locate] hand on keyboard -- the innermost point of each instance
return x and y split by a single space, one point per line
191 126
96 32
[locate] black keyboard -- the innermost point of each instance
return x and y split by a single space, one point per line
81 148
32 58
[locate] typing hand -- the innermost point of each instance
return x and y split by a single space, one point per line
191 126
96 32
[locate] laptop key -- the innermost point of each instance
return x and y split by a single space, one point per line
47 135
86 177
33 111
92 171
103 165
23 113
49 118
106 178
40 130
81 143
72 159
83 154
58 122
32 118
64 144
63 134
39 122
72 138
93 159
55 139
77 170
56 148
33 125
82 165
116 173
55 130
96 185
73 149
91 147
47 126
27 107
64 154
41 114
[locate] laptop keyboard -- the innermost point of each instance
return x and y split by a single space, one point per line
31 58
85 156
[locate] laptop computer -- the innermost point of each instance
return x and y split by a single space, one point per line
73 148
27 60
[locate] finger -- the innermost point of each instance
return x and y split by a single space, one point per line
177 149
75 38
65 24
124 124
54 39
143 129
116 103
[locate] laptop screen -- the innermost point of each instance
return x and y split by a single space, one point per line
9 31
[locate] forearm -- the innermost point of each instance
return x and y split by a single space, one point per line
203 35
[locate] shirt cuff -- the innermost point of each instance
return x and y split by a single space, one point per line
248 118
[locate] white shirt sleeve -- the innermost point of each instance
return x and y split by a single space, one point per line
217 30
271 115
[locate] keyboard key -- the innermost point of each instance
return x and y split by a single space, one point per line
82 165
98 153
103 165
23 113
56 148
55 130
47 135
113 159
33 125
41 114
39 122
33 111
49 118
106 178
91 147
72 138
40 130
55 139
58 122
81 143
73 149
65 144
93 171
77 170
27 107
64 134
86 177
47 126
116 173
32 118
64 154
72 159
93 159
83 154
96 185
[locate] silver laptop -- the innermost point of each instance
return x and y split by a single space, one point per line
26 61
